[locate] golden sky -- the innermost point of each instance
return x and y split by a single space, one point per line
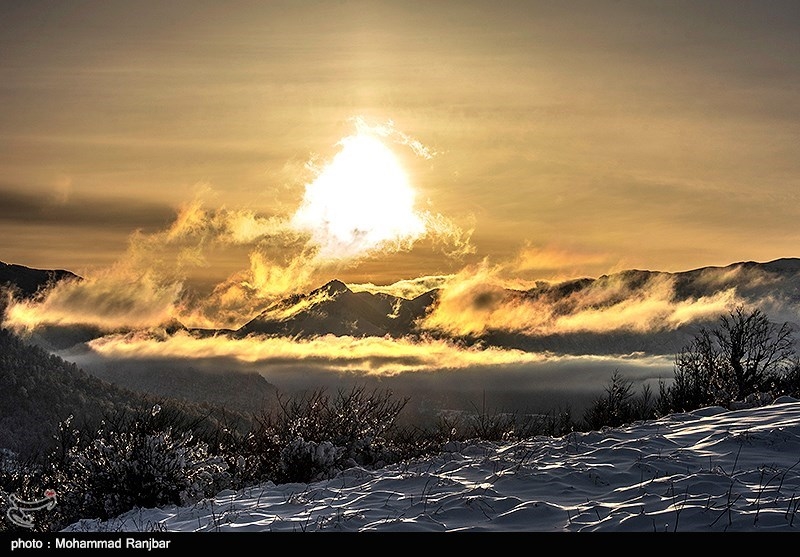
554 139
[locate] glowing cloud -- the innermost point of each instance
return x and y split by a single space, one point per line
146 287
478 300
370 355
109 302
407 288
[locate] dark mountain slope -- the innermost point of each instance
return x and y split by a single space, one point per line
26 282
38 390
335 309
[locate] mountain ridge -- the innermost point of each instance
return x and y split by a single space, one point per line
335 309
26 282
38 390
375 314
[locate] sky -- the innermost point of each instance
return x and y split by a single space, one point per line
559 139
706 471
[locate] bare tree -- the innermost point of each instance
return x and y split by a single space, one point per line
755 349
745 354
699 377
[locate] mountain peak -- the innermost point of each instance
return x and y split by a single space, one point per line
334 288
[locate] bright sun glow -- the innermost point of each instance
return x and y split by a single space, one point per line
361 201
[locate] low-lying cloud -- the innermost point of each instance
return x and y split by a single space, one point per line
478 300
407 288
368 355
116 300
446 374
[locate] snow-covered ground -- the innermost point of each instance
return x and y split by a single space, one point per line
711 470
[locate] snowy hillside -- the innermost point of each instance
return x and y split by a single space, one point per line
711 470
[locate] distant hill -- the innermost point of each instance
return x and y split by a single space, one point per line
335 309
38 390
774 287
27 282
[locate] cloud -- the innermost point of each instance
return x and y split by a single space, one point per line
251 291
370 355
427 369
453 240
389 131
110 301
773 293
146 286
478 300
407 288
652 309
67 208
553 263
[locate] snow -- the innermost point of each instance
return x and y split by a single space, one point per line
711 470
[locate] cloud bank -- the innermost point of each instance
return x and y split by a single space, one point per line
478 300
369 355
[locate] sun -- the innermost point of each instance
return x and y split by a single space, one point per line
362 201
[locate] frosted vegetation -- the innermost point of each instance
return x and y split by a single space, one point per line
159 455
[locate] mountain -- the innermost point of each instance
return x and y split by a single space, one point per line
337 310
753 282
27 282
38 390
774 287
